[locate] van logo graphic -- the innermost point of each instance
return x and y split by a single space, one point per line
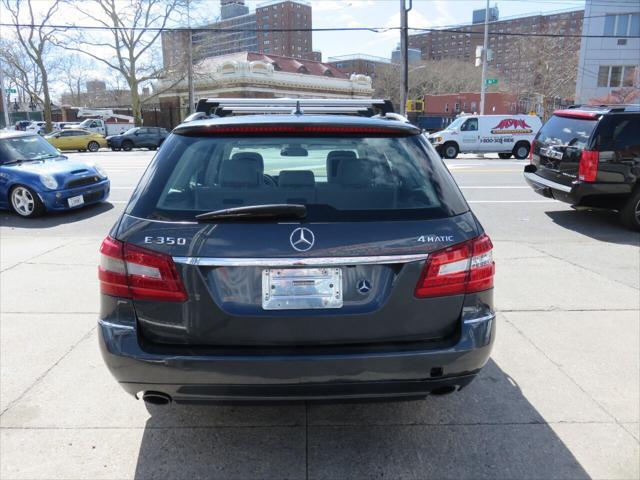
302 239
511 126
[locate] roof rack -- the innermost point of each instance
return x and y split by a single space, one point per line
222 107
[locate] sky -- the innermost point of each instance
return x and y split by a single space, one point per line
385 13
352 13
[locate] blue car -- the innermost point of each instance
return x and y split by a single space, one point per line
35 177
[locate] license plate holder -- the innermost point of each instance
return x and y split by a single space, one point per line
301 288
75 201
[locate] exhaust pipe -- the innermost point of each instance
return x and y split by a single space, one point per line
156 398
443 390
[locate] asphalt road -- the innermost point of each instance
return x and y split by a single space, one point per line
560 397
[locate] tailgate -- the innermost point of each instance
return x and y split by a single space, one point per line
355 286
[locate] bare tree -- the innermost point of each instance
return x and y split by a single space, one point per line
36 41
129 43
74 72
543 71
430 77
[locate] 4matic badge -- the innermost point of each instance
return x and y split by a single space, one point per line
435 238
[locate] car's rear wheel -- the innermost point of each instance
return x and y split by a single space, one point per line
127 145
521 150
25 202
504 156
93 146
450 150
630 213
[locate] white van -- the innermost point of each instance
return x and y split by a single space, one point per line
505 135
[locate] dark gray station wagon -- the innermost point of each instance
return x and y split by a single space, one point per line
305 249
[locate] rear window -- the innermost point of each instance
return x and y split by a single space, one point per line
566 131
350 178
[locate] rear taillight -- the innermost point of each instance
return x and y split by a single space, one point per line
588 167
533 144
463 268
133 272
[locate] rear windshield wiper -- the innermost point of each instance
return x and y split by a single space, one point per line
279 210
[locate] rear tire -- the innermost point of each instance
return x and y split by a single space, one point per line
450 150
521 150
93 146
504 156
127 145
630 213
25 202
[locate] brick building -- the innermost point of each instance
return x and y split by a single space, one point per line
496 103
359 63
461 42
246 35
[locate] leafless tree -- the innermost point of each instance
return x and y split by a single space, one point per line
75 70
129 42
32 66
543 70
430 77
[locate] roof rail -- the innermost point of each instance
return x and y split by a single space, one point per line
222 107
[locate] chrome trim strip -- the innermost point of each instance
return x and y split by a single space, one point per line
299 261
115 325
486 318
547 183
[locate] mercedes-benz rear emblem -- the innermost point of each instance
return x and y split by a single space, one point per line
302 239
363 286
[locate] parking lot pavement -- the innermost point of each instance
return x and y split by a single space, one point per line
560 397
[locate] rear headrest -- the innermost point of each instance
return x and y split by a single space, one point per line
240 172
362 172
334 157
296 179
256 157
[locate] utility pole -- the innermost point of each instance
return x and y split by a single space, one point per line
404 54
5 107
483 87
190 60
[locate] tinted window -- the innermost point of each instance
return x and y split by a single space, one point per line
619 133
336 178
25 148
566 131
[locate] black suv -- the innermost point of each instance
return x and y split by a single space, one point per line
138 137
590 157
295 256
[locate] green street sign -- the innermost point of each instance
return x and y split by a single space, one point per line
10 90
491 81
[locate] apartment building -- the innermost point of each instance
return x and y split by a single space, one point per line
507 53
612 62
245 32
359 63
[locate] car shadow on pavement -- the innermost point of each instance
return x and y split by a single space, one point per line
600 225
53 219
487 430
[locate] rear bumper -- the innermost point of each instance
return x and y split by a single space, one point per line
589 194
203 378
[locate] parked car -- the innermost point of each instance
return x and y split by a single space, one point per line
76 139
138 137
590 157
295 256
37 127
505 135
35 178
22 125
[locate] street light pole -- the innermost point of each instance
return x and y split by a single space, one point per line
5 106
190 60
483 87
404 54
